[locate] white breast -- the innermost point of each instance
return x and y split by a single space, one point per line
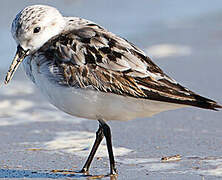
93 104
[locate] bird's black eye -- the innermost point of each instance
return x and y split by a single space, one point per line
36 30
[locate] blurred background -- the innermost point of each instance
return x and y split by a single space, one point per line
184 37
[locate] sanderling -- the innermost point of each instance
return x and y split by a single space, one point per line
89 72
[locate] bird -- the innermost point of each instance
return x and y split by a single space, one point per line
89 72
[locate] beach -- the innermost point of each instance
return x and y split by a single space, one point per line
183 37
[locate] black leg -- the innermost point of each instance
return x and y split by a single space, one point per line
107 134
104 130
99 138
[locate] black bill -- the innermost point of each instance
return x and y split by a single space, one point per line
19 57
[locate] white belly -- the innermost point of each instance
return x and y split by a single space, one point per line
94 105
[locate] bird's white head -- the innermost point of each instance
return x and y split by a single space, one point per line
32 28
35 25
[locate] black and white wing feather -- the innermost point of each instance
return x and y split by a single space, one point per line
90 57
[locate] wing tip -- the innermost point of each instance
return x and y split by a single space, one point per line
206 103
215 106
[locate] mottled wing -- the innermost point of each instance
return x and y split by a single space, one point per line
92 58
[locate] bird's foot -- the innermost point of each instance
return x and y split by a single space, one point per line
113 171
84 171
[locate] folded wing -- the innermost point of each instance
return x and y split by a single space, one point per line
92 58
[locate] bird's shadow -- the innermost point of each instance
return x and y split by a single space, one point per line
21 173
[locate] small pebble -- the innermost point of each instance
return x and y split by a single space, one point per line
171 158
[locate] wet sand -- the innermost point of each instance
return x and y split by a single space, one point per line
185 42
